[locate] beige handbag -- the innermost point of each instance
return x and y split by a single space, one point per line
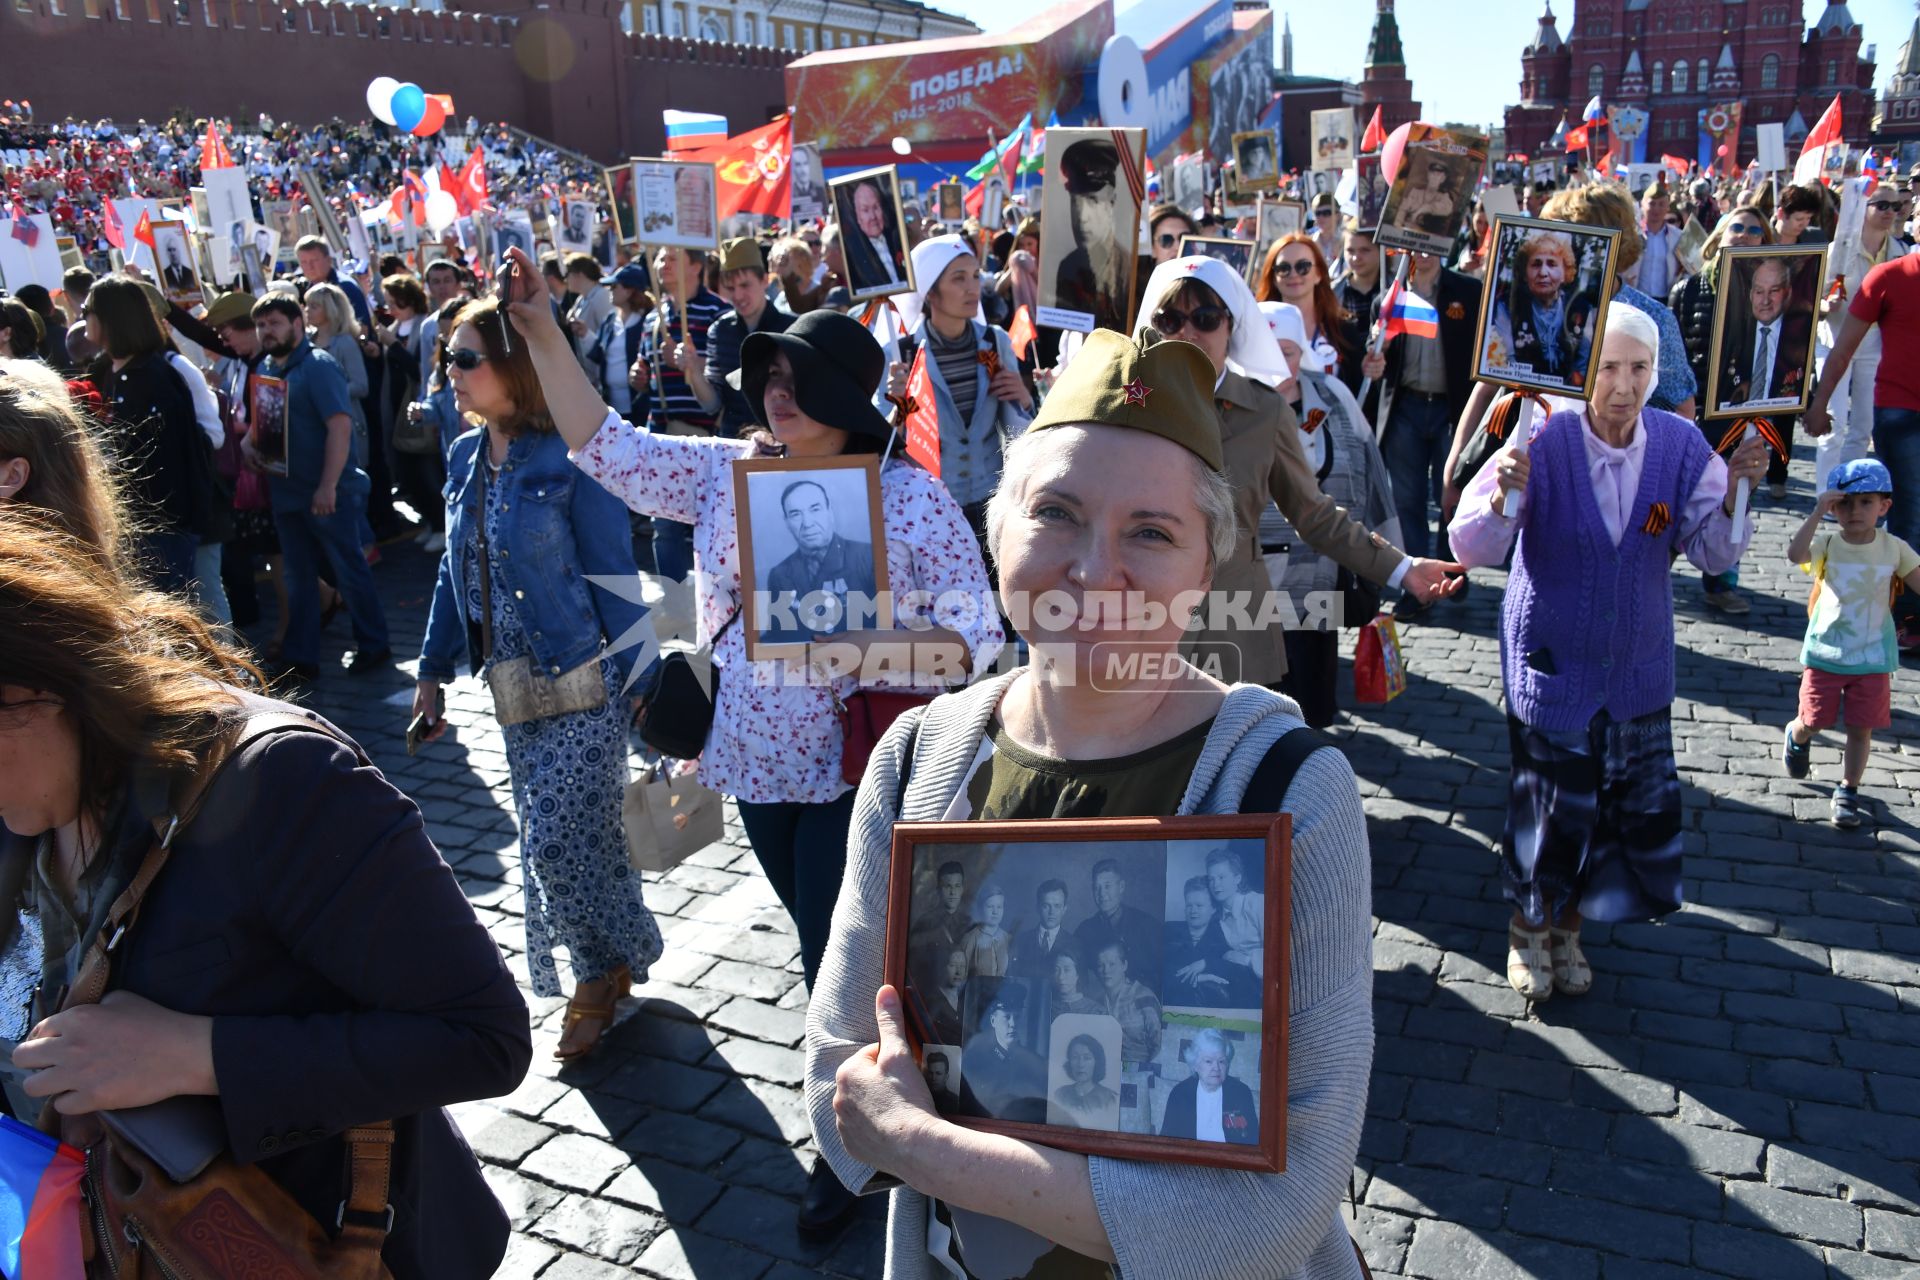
520 693
669 819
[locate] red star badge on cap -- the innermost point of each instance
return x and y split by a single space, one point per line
1193 266
1137 392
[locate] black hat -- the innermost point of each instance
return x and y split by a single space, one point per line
837 368
1089 165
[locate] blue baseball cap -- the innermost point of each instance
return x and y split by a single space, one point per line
1862 475
631 276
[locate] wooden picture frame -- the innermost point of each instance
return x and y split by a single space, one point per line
868 276
1423 215
1088 284
618 180
267 398
979 982
1733 348
676 203
174 269
1237 254
1506 347
787 507
1256 161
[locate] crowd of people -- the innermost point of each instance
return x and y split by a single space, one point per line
558 422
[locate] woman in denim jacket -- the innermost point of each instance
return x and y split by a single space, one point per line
557 547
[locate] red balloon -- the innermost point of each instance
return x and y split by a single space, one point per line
430 122
1391 151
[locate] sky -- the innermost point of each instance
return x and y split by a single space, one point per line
1464 68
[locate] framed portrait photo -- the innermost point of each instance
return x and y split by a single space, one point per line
574 234
1545 301
1369 191
873 232
1237 254
950 199
173 253
618 180
267 419
1332 138
1766 315
806 184
1256 161
674 203
1428 199
1277 218
1113 986
813 550
1187 179
1089 228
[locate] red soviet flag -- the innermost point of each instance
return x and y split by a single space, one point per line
143 229
1376 135
116 234
922 425
1021 332
750 169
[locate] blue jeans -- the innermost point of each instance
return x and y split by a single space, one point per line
672 549
803 850
306 539
1896 442
1419 436
208 585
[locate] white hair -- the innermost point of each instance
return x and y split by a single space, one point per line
1207 1037
1632 323
1212 493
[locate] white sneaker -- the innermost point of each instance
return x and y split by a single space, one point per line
436 542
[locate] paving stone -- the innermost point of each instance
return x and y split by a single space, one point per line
669 1191
1382 1237
1662 1188
578 1266
1805 1080
687 1139
1788 1213
761 1022
1439 1193
1463 1106
506 1139
761 1108
753 1217
1895 1234
1659 1141
523 1199
1849 1175
1444 1251
761 1061
1617 1228
525 1257
1464 1152
598 1226
576 1162
1737 1251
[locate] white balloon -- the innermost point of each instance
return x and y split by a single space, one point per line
380 98
901 147
442 211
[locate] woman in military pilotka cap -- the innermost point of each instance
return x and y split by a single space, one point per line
1117 491
1203 301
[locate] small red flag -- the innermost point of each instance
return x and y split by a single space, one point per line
116 234
922 425
1021 332
472 188
1577 138
1376 135
143 229
214 155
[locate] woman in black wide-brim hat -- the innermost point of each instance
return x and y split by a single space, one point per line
776 741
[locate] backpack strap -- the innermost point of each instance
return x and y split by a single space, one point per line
1267 789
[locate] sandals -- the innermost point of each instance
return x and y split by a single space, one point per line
581 1009
1529 965
1572 975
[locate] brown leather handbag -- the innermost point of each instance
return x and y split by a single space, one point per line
230 1219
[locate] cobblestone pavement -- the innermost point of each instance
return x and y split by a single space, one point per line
1739 1095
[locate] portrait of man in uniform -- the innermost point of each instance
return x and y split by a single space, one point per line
1086 276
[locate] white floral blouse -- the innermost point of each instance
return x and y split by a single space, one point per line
775 736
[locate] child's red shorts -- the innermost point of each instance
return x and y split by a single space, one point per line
1867 699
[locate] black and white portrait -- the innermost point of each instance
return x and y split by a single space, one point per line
1237 254
1547 285
1370 191
872 225
1432 190
1332 135
173 255
575 231
813 547
807 183
513 229
1083 1070
1087 274
1189 183
1255 161
1761 360
943 1065
1215 927
993 202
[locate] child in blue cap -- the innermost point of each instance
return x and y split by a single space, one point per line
1850 651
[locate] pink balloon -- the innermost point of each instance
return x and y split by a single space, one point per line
1391 150
1723 149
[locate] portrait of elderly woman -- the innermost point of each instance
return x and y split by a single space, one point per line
1118 485
1210 1104
1587 661
1084 1101
1199 975
1542 309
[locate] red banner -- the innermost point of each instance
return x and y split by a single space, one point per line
750 169
922 426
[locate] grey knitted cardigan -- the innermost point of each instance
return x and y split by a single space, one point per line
1162 1219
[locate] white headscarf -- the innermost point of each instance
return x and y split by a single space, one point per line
930 257
1252 352
1283 318
1631 322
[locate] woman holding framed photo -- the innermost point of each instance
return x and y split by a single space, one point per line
1119 487
776 744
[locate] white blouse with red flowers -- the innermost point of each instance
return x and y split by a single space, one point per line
775 736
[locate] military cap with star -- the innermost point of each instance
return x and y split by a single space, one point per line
1165 389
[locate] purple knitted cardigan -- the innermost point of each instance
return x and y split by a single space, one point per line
1585 625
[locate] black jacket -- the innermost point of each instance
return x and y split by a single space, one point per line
305 910
1458 303
1692 302
165 460
1239 1116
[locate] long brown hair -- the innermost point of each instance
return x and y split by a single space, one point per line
138 673
1329 317
68 477
513 367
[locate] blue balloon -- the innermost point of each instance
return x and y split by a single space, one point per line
409 107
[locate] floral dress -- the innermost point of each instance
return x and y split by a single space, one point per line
569 772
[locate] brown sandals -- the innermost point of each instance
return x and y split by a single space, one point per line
581 1009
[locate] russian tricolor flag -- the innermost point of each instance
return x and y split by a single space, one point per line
687 130
39 1204
1405 311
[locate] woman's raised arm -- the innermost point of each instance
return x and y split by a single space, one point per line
577 409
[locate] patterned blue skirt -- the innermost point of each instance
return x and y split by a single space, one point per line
1593 821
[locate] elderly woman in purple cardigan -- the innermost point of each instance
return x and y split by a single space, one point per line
1586 647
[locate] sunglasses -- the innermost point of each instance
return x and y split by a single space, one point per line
466 358
1884 206
1293 268
1171 320
1168 241
1746 229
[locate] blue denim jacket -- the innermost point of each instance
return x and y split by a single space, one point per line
557 528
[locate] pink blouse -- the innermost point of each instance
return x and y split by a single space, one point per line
775 737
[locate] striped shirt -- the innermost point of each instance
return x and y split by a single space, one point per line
669 397
959 366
